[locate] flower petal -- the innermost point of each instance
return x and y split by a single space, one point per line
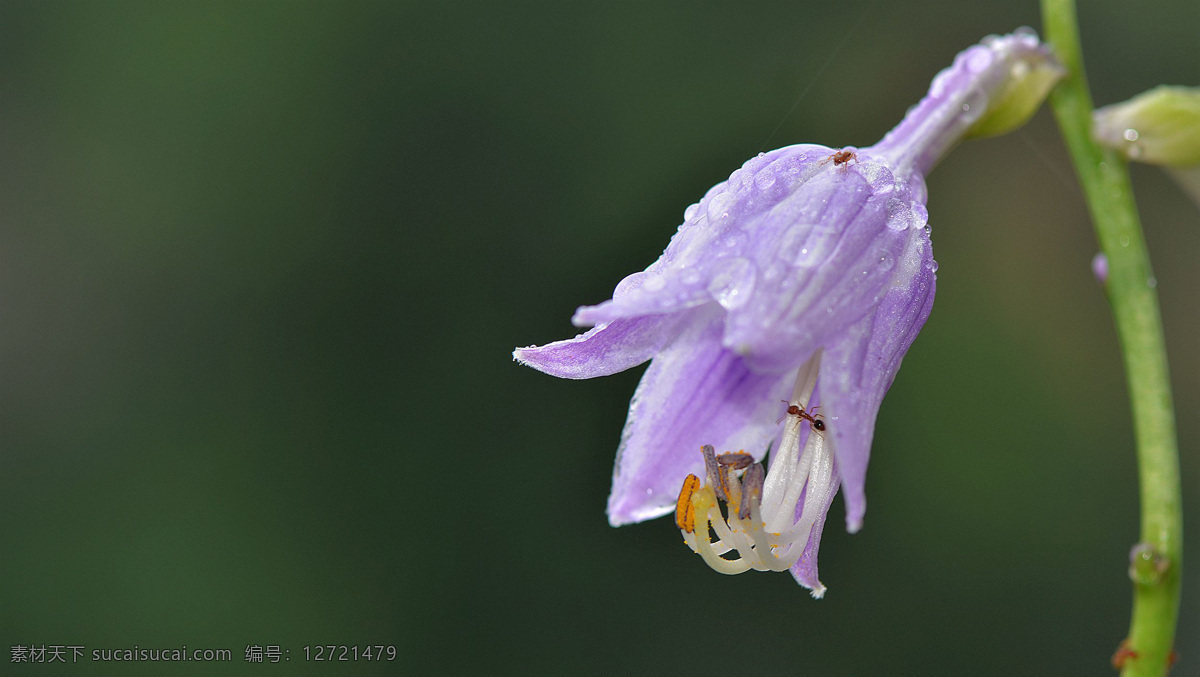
805 568
710 258
857 372
606 349
694 393
826 255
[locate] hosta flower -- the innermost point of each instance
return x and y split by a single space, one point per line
777 317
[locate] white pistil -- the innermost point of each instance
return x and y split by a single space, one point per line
783 507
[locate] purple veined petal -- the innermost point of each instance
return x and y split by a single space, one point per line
712 256
695 392
857 372
606 349
826 255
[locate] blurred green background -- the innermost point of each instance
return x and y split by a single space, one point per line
262 265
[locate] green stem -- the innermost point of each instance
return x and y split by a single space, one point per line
1105 178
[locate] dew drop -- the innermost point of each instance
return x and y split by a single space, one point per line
899 216
764 179
920 215
979 60
941 82
933 266
974 105
885 260
1025 33
928 229
718 207
1131 135
1124 240
691 211
733 285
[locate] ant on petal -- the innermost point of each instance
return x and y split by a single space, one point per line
843 156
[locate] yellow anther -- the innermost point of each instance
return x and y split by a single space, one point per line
685 511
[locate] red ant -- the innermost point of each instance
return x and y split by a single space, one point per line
842 157
813 418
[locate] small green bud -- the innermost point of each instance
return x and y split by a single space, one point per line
1161 126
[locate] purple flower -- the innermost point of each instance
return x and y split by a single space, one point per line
795 286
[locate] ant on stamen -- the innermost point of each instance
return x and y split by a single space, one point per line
813 418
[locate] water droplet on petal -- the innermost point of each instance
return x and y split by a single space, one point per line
1131 135
974 105
920 215
733 283
691 211
1025 33
718 207
978 60
899 215
764 179
933 266
884 259
928 229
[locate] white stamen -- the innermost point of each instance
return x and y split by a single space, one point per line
795 491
